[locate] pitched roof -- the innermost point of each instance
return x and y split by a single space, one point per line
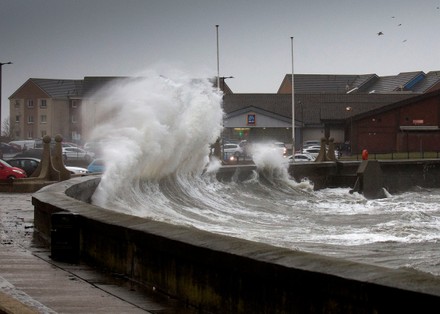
327 83
394 105
94 83
431 79
60 88
400 82
416 81
311 109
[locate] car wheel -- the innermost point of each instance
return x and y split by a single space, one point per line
11 178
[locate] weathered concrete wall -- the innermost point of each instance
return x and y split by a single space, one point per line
220 274
405 175
398 175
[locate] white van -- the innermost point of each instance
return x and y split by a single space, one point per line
24 143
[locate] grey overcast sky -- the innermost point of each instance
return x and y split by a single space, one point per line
70 39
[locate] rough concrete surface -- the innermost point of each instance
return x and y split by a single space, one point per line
31 282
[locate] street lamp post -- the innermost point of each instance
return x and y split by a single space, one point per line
293 100
218 59
350 110
1 65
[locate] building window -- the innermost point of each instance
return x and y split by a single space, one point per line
76 136
17 134
30 134
74 104
73 119
43 104
43 118
30 103
43 133
17 104
17 119
30 119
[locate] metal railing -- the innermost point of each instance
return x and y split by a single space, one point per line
393 156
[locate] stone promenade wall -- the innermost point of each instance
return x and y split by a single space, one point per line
397 175
220 274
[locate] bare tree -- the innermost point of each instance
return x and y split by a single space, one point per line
6 131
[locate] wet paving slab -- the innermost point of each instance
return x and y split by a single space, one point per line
31 282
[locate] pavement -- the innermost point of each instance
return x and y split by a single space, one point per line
31 282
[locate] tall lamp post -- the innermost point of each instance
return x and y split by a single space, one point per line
1 65
218 59
349 110
293 102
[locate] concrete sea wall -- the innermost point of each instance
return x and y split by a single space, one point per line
397 175
220 274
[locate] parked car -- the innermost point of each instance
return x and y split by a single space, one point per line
23 144
281 147
28 164
312 150
68 144
76 153
77 170
232 149
8 172
7 150
97 165
301 157
311 143
34 152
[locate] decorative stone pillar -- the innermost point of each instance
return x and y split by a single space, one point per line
58 160
45 170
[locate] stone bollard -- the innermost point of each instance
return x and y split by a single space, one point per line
369 180
45 170
331 150
58 160
322 156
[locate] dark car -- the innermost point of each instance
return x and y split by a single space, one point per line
33 152
7 150
28 164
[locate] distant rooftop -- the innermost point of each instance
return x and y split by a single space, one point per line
415 82
57 88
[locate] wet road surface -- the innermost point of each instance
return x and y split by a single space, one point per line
31 282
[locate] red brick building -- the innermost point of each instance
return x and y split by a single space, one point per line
410 125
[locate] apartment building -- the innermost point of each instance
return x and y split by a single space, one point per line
46 107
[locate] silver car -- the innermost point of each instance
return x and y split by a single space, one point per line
76 153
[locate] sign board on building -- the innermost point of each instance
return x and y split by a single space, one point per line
251 119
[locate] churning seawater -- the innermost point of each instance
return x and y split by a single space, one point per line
157 167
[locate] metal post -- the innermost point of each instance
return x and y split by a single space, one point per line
1 65
350 112
218 61
218 89
293 102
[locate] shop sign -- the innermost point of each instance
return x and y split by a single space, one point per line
251 119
